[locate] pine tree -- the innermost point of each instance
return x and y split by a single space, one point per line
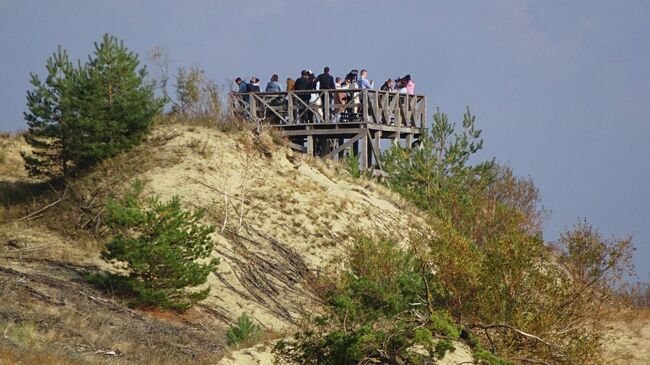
438 170
115 108
47 118
163 248
82 114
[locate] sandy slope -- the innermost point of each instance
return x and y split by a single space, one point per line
295 217
629 341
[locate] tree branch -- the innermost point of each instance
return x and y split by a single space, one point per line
506 326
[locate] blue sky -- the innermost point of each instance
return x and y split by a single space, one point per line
561 89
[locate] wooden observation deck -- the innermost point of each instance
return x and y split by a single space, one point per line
336 123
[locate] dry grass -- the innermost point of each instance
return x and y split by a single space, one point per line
200 147
12 167
17 357
47 308
225 124
78 216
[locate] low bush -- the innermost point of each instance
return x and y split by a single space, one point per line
385 307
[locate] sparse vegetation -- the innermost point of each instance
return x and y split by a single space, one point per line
196 96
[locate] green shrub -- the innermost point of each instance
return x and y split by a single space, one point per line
244 330
163 249
384 303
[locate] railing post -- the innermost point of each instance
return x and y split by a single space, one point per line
385 106
363 156
365 105
310 143
253 104
398 110
423 120
326 106
397 137
376 108
378 145
290 107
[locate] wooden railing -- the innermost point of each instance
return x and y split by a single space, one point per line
332 106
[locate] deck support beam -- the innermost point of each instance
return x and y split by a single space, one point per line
363 155
310 145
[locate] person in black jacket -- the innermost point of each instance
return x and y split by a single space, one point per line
254 85
325 81
304 83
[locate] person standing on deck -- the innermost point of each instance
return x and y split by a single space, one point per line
244 88
236 85
290 83
234 88
410 85
340 97
325 81
273 85
304 83
243 85
401 85
389 85
254 86
363 82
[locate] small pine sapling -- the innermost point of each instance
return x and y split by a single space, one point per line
243 331
163 248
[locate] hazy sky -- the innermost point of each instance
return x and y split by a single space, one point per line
561 89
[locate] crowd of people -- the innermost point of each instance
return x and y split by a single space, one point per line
325 81
343 105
